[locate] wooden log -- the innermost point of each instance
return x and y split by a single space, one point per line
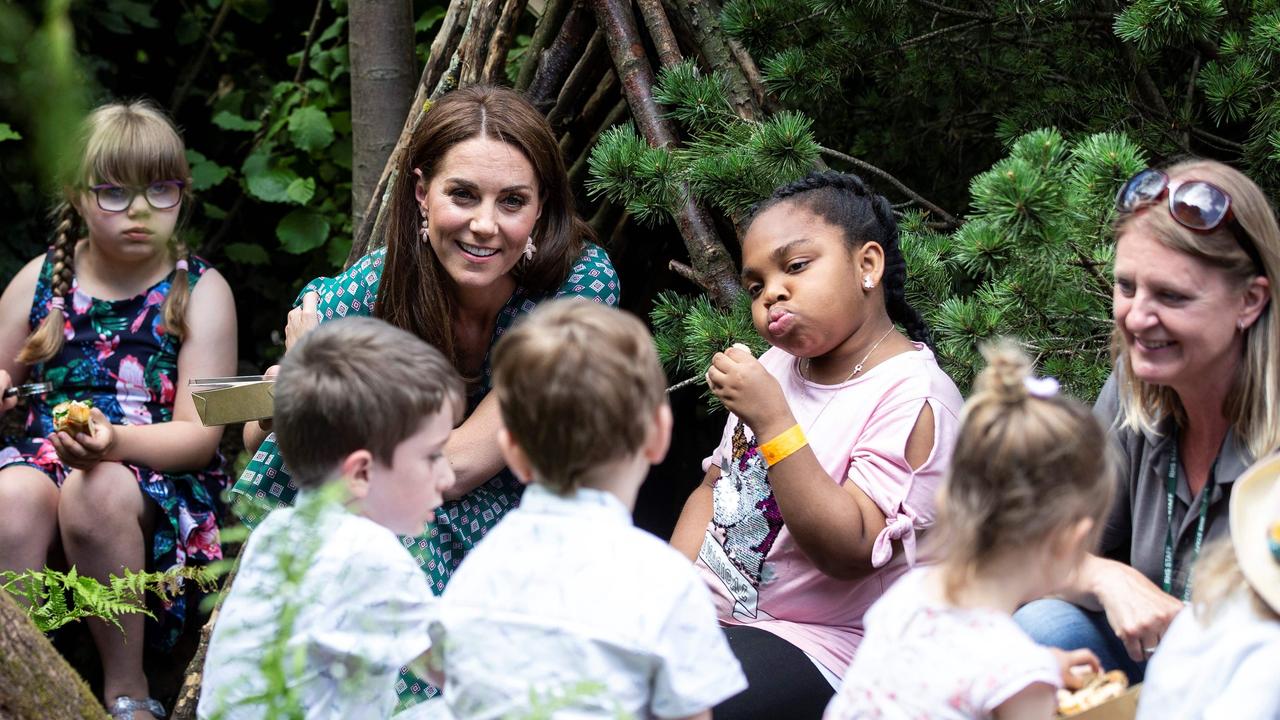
475 40
495 61
547 28
613 118
600 102
589 70
664 40
708 254
184 708
35 681
558 60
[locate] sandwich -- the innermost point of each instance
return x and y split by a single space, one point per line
1101 688
72 417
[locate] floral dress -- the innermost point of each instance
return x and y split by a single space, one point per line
118 355
265 483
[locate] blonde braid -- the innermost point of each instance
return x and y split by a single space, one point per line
175 305
47 339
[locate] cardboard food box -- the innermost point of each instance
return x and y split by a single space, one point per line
1124 707
234 403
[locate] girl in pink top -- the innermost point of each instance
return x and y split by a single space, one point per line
838 439
1028 488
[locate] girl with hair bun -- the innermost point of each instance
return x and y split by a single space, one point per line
1023 503
838 438
119 314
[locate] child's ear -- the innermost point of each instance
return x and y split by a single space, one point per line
870 262
356 470
515 456
659 440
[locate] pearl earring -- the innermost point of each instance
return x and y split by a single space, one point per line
529 249
866 282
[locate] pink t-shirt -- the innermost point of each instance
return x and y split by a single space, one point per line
925 658
758 575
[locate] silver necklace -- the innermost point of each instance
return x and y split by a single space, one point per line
856 369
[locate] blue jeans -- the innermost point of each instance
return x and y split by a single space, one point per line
1058 623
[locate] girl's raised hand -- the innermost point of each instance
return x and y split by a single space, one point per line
82 452
302 319
749 391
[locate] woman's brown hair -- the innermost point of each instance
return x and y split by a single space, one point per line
1028 462
131 144
413 294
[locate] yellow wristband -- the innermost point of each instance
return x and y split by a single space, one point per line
781 447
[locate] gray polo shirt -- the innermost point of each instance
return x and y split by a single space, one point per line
1135 531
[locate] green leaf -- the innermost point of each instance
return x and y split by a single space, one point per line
265 180
231 121
247 254
310 129
301 190
301 231
205 173
428 19
8 133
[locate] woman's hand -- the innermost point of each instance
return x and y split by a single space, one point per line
749 391
1138 611
302 319
6 404
83 451
1069 660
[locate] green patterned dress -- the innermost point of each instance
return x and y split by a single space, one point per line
265 483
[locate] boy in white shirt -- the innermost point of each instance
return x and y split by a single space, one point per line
566 608
327 606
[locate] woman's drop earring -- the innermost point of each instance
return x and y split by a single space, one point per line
423 232
866 282
529 249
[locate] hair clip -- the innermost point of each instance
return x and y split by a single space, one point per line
1041 387
181 265
59 302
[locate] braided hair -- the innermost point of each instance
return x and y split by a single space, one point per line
846 202
132 143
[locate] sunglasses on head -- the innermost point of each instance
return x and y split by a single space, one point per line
1195 204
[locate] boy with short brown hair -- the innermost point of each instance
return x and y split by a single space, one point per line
565 604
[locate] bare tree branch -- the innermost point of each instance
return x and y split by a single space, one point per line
950 220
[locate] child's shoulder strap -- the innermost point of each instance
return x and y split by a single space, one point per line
196 267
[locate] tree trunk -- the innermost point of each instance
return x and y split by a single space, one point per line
35 682
382 84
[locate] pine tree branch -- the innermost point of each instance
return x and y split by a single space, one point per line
752 72
1224 143
686 383
1090 266
710 258
687 273
701 19
921 39
956 12
552 16
951 222
1188 102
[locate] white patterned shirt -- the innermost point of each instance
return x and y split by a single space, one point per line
363 612
566 605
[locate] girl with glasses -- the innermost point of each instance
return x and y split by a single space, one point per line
120 315
1190 404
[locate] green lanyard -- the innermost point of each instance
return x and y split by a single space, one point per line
1171 487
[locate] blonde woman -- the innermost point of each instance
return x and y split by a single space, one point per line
1190 405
